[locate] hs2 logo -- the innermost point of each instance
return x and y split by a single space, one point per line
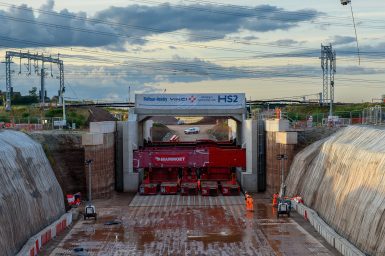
228 98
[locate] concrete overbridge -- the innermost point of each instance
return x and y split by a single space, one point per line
228 162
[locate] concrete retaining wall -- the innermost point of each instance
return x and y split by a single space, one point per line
119 156
286 138
103 166
34 244
273 166
277 125
103 127
333 238
249 179
92 139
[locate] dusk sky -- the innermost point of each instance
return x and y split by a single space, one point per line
267 49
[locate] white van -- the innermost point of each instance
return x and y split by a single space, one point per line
192 130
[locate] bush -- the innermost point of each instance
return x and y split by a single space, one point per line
5 118
54 112
78 119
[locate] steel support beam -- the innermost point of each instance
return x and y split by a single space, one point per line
8 82
36 57
328 65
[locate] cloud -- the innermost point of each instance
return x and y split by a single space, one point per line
115 27
341 40
288 42
250 38
205 22
61 29
243 38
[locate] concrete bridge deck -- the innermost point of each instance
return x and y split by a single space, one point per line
191 225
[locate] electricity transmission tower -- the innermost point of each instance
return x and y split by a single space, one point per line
35 58
328 64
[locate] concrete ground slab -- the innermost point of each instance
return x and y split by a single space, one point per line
189 225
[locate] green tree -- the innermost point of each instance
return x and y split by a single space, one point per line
33 92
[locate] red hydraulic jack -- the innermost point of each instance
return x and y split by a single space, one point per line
148 188
189 188
169 188
189 183
230 188
209 188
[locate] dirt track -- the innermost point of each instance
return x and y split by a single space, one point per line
203 134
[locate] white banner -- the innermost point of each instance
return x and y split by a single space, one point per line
191 101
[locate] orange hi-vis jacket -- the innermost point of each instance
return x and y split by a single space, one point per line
249 203
275 199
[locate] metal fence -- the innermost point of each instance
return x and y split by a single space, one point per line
374 115
303 121
36 123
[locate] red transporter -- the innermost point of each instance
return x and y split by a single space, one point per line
167 164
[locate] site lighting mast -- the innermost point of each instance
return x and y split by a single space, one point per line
345 2
349 2
282 158
328 65
90 210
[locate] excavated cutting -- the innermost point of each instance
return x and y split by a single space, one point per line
30 195
343 179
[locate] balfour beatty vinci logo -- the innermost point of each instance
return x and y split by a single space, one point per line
148 98
190 99
178 99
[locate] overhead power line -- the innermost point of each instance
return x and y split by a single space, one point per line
267 16
149 29
179 64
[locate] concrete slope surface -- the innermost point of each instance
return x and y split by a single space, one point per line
30 195
343 179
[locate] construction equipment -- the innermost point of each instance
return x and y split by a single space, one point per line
283 208
230 188
90 210
169 166
284 205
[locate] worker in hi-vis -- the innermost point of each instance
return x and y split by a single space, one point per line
249 202
275 199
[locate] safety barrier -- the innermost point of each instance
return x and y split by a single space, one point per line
34 244
333 238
